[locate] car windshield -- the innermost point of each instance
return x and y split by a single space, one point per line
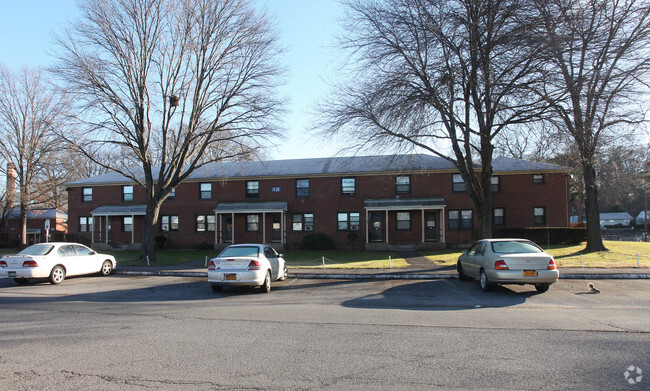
242 251
515 247
37 249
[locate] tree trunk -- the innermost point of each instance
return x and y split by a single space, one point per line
149 230
23 226
594 237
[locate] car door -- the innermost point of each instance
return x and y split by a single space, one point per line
88 262
472 260
67 256
272 256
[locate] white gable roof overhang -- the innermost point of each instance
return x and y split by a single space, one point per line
405 203
120 210
251 207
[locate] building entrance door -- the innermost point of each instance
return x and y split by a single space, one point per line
276 229
376 231
227 229
430 226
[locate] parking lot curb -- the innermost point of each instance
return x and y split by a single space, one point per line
384 276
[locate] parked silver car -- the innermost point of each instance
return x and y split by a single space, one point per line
508 261
246 265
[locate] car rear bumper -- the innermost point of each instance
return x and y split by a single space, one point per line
518 277
23 273
241 277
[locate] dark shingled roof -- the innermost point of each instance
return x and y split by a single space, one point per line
330 166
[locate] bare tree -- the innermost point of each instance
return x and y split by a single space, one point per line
445 77
30 110
598 57
164 81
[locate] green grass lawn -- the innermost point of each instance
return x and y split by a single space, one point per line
620 254
344 259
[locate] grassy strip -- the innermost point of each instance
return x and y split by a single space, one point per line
619 255
344 259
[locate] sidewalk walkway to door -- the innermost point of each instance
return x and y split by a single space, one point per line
420 268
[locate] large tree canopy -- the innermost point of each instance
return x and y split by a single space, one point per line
171 86
446 77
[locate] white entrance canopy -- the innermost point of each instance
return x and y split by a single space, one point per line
117 210
262 208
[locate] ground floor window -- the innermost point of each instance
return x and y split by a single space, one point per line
348 221
461 219
169 223
127 224
85 224
303 222
205 223
539 215
403 221
498 216
252 223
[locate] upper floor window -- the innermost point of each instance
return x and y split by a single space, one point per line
302 187
127 193
169 223
348 186
403 184
538 179
205 191
495 184
348 221
403 220
498 216
539 215
172 196
252 189
87 194
457 183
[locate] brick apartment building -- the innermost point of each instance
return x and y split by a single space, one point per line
373 202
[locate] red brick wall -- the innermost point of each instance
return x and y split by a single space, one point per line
518 195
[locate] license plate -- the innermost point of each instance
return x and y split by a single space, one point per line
530 273
12 274
229 277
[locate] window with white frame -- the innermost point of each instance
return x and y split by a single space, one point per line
127 193
205 191
87 194
498 216
252 189
539 214
348 186
127 224
495 183
403 184
85 224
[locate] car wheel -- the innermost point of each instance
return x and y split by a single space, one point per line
541 288
21 281
285 273
485 283
107 268
217 288
266 287
461 273
57 275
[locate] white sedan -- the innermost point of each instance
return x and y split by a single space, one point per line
508 261
246 265
55 261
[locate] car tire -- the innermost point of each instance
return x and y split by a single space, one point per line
21 280
266 287
485 283
285 273
461 274
217 288
57 275
107 268
541 288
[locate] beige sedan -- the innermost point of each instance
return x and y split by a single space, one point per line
508 261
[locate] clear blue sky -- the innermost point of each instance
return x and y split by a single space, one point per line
306 28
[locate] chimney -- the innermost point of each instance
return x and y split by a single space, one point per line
11 185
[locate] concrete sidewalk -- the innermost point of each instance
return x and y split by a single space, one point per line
417 271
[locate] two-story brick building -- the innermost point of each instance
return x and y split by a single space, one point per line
376 202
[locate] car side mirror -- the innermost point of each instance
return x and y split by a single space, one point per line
280 255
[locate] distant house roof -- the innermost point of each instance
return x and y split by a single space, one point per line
615 216
328 167
46 213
